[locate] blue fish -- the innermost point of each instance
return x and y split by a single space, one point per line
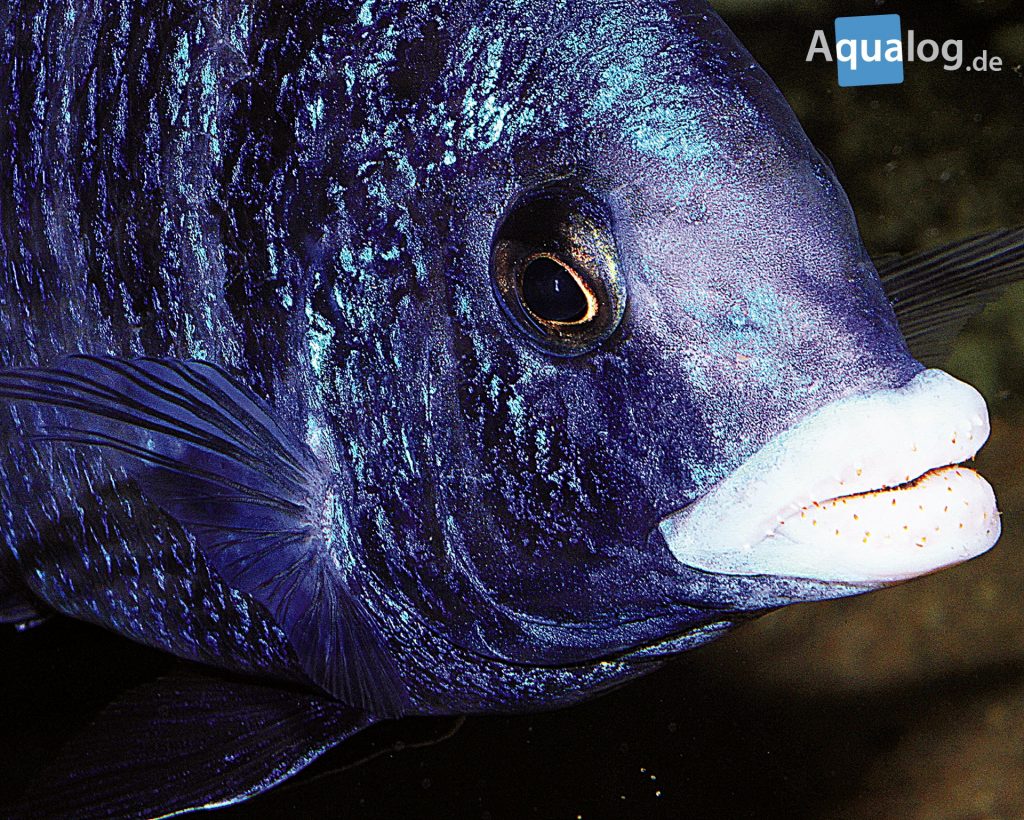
404 358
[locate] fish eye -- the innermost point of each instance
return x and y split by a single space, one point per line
554 292
556 272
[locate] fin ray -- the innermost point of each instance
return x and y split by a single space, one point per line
187 741
211 454
936 292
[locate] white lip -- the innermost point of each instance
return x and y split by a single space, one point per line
835 498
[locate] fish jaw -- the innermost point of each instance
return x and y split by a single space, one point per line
864 491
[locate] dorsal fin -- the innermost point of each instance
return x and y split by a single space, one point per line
935 293
212 455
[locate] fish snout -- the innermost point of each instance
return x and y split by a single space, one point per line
866 490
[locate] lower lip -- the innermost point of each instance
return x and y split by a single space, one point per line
945 517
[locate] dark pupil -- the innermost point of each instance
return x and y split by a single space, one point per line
552 293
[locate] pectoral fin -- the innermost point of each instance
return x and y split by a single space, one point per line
257 501
185 742
935 293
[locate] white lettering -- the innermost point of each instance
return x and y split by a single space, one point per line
928 51
819 45
846 52
871 56
953 54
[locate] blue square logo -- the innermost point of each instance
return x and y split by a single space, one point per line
869 50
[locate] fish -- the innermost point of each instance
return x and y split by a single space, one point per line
394 358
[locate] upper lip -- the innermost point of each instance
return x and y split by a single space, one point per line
861 444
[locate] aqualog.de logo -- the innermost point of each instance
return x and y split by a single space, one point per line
869 50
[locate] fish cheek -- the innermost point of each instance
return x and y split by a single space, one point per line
559 488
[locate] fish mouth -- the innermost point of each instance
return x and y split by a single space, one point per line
866 490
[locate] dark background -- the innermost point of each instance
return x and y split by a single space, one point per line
906 703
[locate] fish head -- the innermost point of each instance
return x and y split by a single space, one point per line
666 388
